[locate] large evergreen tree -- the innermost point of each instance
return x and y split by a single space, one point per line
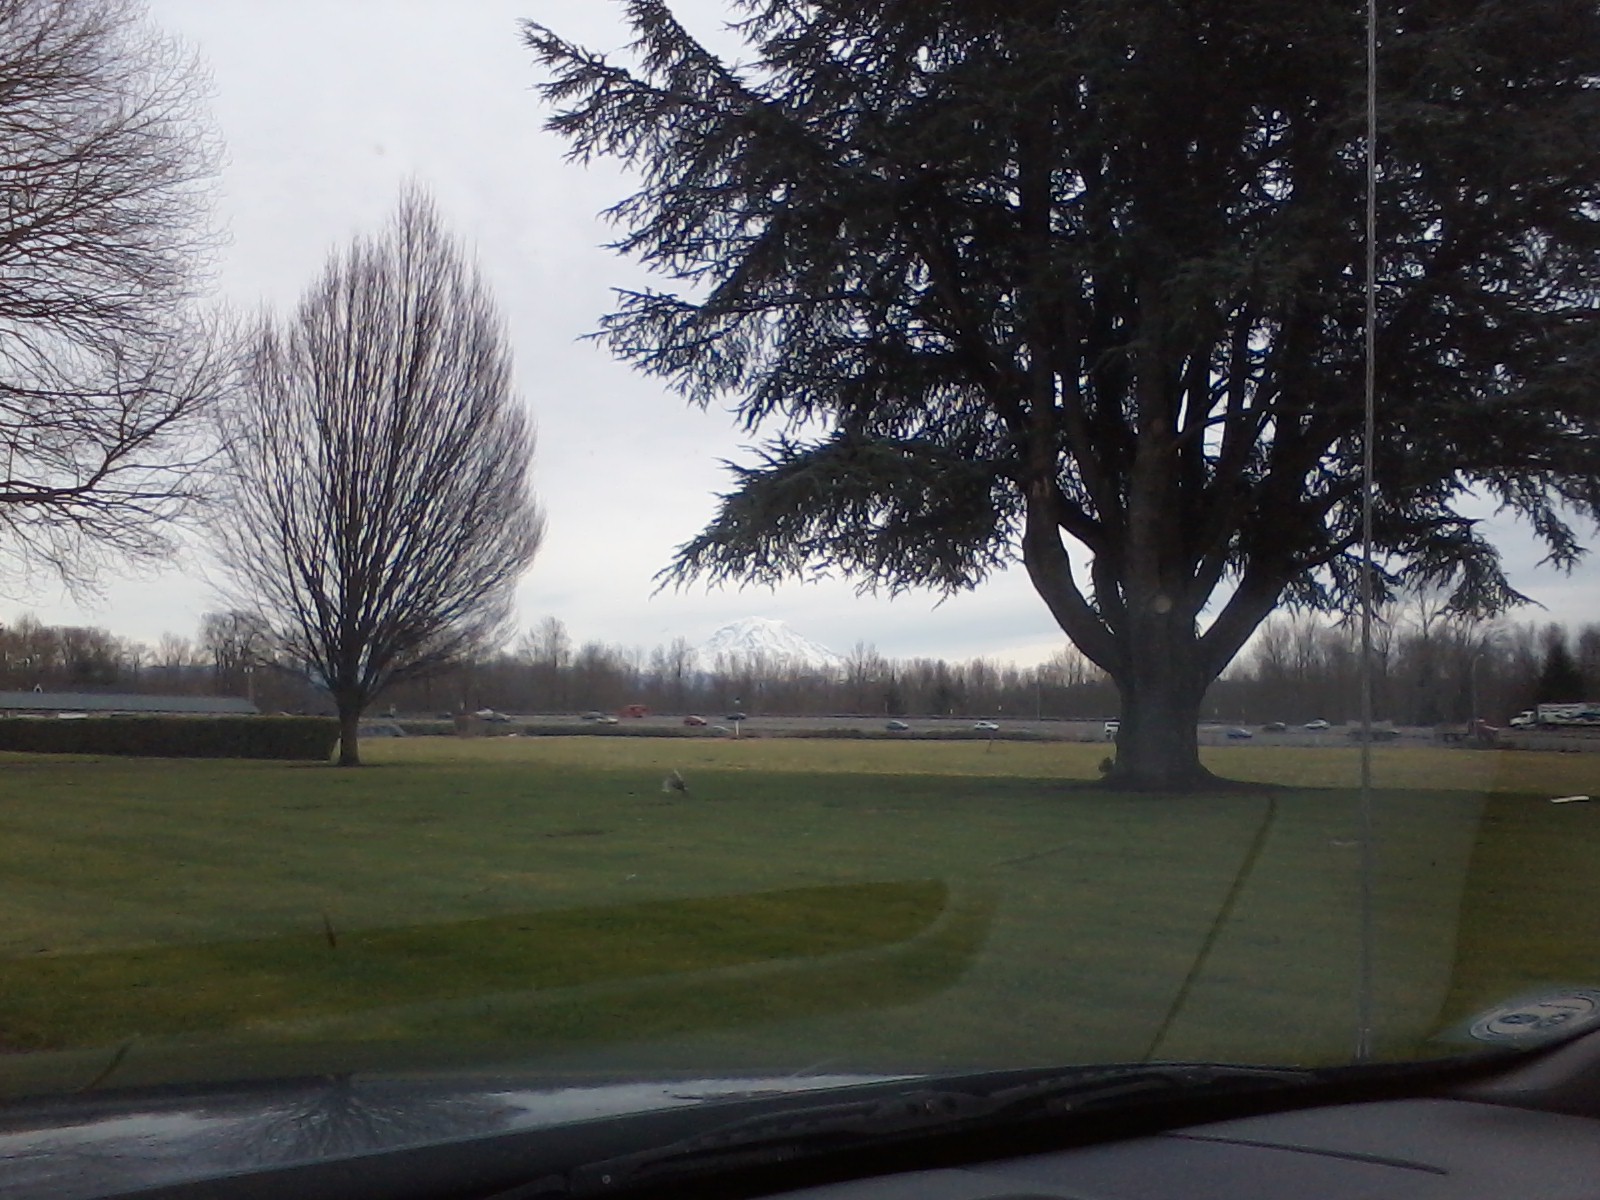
1560 680
1012 275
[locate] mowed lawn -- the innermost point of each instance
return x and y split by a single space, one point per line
807 904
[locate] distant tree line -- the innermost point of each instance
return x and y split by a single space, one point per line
545 671
1430 668
227 657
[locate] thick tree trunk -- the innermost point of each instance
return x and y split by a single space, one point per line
349 734
1162 687
1143 634
1158 746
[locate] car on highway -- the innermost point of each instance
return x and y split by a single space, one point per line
1238 734
896 726
1375 735
1110 729
694 722
1318 725
1274 727
986 726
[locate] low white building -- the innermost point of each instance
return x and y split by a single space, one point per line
55 704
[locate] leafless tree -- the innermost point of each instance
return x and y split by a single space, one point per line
236 645
175 656
548 643
377 506
548 649
106 368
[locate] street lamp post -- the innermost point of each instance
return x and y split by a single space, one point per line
1485 644
1472 689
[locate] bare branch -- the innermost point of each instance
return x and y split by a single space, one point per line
378 510
105 370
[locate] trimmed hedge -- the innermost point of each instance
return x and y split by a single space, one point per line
298 738
855 733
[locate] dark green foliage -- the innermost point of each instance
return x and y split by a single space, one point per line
1016 277
1560 680
309 739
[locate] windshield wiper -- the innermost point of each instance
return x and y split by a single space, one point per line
906 1114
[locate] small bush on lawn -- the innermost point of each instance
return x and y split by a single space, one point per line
296 738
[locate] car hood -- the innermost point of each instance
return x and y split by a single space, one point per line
87 1146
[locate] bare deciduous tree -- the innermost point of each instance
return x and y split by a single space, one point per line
378 510
235 644
105 367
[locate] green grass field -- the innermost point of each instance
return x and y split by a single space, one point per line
807 905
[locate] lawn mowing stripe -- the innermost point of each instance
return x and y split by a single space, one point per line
59 1001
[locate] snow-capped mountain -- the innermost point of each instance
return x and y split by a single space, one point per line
770 639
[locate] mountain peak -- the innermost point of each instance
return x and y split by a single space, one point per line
768 638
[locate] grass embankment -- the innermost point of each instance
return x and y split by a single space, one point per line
854 903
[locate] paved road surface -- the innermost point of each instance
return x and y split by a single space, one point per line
1214 734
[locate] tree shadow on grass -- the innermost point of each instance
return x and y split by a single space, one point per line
1210 785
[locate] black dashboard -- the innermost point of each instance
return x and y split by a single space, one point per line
1426 1148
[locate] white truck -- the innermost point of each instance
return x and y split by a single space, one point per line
1585 712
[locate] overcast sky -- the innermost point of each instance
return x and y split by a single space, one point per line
326 107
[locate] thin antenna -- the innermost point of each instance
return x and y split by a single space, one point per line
1364 981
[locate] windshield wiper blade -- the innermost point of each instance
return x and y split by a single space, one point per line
910 1113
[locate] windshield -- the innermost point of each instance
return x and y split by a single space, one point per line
719 541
